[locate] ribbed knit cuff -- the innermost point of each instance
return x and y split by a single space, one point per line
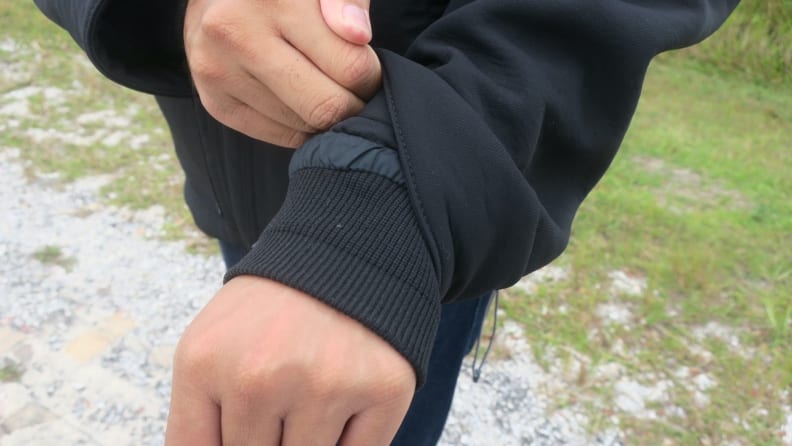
350 239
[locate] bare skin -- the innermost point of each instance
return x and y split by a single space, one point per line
279 71
262 363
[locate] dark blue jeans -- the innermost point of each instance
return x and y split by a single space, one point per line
460 326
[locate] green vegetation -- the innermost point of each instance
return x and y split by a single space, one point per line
10 372
695 208
53 255
754 42
82 124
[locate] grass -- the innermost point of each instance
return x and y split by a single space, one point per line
696 207
10 373
61 96
53 255
754 42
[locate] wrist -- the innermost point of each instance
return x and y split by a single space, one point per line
350 240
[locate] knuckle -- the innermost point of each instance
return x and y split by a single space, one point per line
359 68
393 389
191 355
292 139
220 28
393 380
290 118
324 385
215 109
328 112
230 113
218 25
205 69
251 381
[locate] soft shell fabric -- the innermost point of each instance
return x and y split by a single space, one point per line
503 115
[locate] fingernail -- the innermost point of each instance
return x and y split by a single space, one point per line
357 17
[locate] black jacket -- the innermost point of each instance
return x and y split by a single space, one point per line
463 174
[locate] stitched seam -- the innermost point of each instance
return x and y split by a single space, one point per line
426 227
379 141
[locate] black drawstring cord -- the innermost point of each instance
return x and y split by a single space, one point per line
477 371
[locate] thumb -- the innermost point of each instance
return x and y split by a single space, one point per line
349 19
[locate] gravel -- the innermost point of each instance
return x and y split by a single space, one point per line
118 270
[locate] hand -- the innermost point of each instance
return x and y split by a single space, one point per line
280 71
265 364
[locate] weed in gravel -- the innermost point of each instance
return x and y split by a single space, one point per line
10 372
53 255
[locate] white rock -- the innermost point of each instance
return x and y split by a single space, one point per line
625 284
614 313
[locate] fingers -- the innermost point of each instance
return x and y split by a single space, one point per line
355 66
317 426
265 364
251 78
261 99
255 111
378 423
302 87
349 19
375 427
193 420
243 118
244 425
259 410
194 415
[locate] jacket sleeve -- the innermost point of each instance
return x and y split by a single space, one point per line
504 114
137 43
